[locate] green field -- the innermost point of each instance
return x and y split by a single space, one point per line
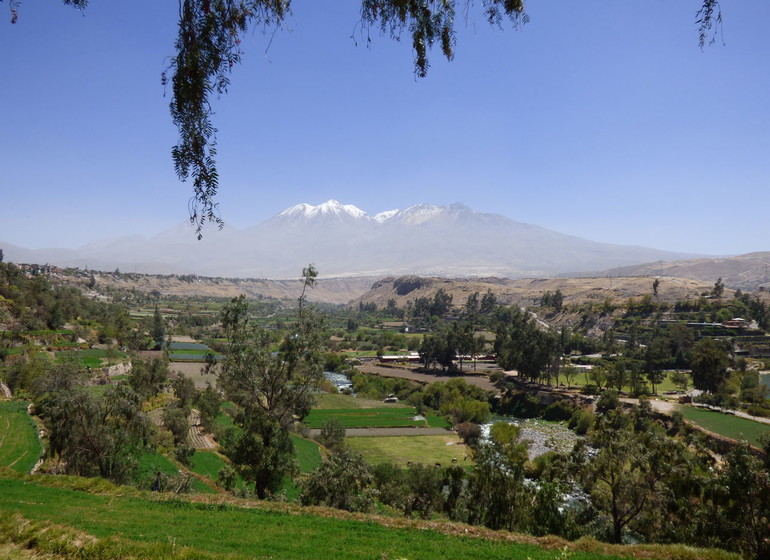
412 449
19 445
257 532
92 357
581 380
308 453
151 463
373 418
726 424
337 400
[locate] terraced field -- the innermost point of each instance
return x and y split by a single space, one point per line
129 524
20 446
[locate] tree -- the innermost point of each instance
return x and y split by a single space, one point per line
498 497
208 402
627 476
718 289
273 389
709 365
655 286
158 330
656 355
342 482
262 451
309 275
252 375
97 435
488 303
148 378
332 434
742 496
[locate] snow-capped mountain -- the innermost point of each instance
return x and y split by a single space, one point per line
343 240
330 209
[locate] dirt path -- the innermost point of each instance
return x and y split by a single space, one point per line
664 407
478 379
371 432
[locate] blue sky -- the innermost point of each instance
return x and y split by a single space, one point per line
597 119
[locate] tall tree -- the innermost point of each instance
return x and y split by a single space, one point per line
252 375
273 389
158 330
709 364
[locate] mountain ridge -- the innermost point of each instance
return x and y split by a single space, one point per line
342 240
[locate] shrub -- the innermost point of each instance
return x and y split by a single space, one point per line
582 421
469 432
560 410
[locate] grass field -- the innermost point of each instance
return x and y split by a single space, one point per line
308 453
239 533
19 445
581 380
373 418
151 463
725 424
93 357
411 449
336 400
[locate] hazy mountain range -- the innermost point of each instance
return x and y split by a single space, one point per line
342 240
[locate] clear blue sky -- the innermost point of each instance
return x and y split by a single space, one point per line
600 119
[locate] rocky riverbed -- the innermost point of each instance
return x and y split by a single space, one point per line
543 436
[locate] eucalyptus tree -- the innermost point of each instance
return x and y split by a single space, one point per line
273 383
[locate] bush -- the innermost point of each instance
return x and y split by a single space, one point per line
332 434
590 389
758 410
608 401
469 432
560 410
582 421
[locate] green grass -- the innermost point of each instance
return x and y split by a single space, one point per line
725 424
19 445
308 453
152 462
208 464
371 418
92 357
581 380
338 400
412 449
250 533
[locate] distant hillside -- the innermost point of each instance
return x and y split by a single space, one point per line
746 272
527 292
327 290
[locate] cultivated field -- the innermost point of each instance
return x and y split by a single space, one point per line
374 418
402 450
19 445
155 527
725 424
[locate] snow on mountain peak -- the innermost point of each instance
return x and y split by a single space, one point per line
328 208
384 216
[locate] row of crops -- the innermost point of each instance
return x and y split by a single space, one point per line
190 352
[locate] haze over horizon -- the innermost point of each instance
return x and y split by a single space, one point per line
596 121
